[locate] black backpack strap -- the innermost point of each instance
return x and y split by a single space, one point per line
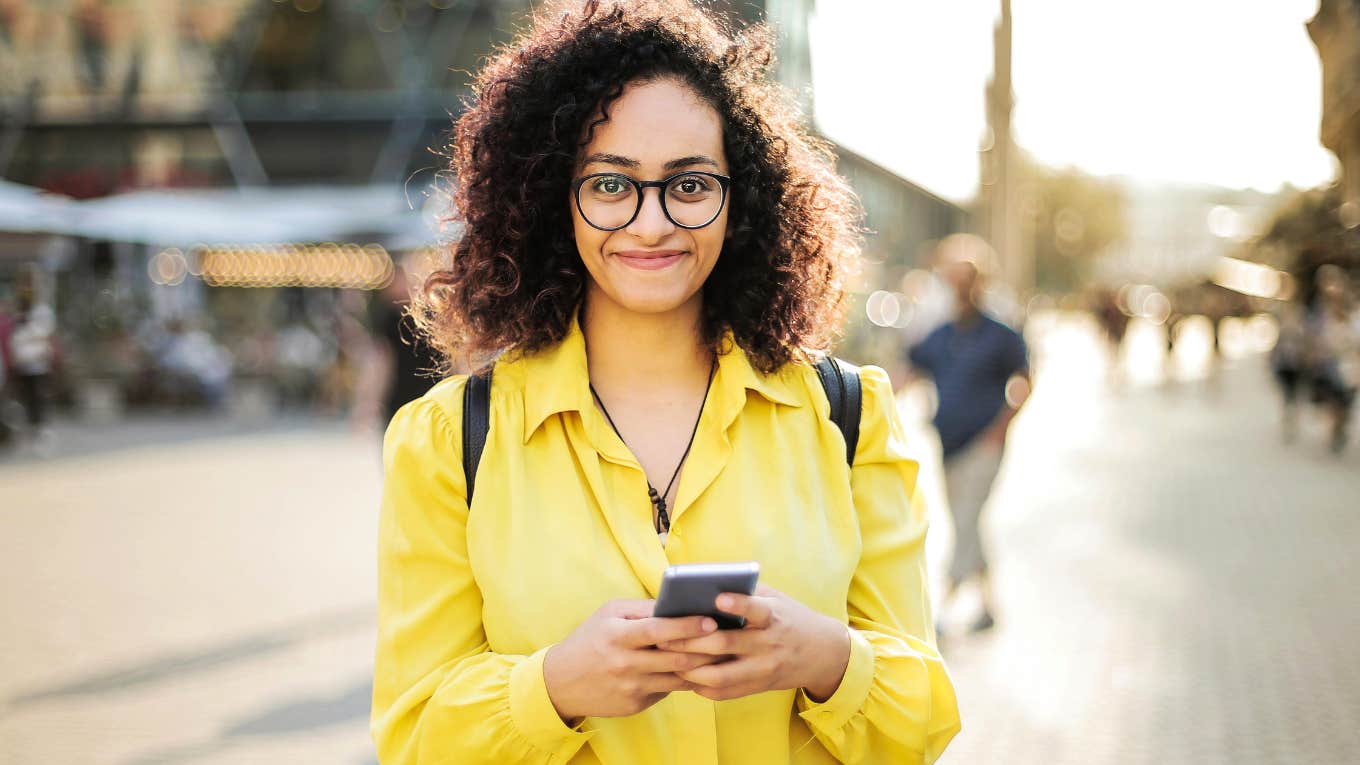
476 421
840 380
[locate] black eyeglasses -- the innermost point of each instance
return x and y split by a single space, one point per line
611 201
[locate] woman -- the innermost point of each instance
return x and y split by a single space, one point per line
650 243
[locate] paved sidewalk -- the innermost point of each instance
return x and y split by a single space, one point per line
1175 585
206 600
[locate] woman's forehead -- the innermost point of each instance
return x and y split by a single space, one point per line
657 122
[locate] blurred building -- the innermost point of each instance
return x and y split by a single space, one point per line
111 95
1336 32
901 215
902 218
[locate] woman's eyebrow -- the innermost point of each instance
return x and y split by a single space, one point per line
697 159
612 159
628 162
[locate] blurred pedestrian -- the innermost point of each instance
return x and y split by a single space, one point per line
32 348
1288 363
7 428
638 320
401 366
1114 323
194 367
1334 331
980 368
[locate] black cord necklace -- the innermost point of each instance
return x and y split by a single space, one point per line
663 520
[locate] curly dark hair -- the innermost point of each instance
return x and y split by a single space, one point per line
515 278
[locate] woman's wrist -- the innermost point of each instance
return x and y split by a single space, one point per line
552 680
835 649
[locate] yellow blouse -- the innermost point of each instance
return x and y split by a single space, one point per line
470 600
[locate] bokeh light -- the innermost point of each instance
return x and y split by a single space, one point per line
346 266
168 267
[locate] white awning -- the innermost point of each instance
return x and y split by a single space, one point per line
385 214
27 210
396 217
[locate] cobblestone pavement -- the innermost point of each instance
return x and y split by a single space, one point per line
1174 586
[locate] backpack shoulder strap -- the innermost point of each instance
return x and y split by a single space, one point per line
476 422
840 380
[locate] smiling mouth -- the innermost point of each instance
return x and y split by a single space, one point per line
653 260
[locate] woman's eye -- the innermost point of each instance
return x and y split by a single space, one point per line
691 185
610 186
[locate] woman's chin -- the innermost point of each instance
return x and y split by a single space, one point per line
650 301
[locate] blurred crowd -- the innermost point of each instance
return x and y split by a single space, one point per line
335 353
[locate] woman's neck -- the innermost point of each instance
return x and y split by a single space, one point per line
630 353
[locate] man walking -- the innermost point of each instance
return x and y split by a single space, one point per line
980 368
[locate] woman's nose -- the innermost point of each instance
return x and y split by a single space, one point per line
651 222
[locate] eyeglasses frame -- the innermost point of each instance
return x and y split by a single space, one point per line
724 183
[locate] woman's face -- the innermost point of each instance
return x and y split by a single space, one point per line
655 130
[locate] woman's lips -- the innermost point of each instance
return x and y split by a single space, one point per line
649 260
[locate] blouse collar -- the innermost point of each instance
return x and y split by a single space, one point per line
557 379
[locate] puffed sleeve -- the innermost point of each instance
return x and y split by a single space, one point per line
440 695
896 703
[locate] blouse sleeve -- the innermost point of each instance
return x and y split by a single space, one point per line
440 695
896 701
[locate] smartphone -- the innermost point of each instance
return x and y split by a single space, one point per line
689 589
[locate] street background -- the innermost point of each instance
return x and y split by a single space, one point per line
1175 586
211 214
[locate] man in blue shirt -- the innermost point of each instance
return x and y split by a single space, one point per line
981 371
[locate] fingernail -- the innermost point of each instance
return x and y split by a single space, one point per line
708 625
724 602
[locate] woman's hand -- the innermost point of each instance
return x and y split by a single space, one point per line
784 645
610 666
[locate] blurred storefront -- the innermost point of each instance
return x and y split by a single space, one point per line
289 145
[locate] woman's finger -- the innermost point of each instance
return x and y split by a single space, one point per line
664 682
669 661
758 610
720 643
624 608
741 672
655 630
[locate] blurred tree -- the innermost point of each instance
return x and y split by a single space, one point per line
1311 229
1070 218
